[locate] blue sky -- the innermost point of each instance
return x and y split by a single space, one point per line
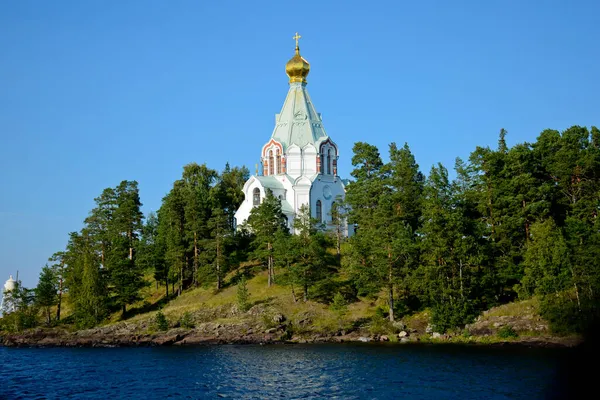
95 92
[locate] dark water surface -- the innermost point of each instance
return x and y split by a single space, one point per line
343 371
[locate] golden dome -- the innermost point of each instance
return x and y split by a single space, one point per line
297 68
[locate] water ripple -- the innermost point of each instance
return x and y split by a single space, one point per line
351 371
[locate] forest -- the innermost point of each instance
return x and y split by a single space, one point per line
512 224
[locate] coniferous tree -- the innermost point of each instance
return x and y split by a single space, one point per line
197 183
59 269
309 251
126 275
46 292
171 230
265 221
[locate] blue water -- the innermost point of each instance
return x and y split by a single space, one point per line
343 371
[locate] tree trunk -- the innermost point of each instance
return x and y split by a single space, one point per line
294 294
124 309
270 265
391 292
391 301
195 259
461 280
218 265
180 280
60 290
130 236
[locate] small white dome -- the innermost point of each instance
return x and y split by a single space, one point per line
10 284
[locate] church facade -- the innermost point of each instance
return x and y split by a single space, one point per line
299 161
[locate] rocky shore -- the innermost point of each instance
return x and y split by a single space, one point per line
266 324
223 334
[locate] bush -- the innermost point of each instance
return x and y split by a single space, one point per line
161 322
243 295
507 332
338 305
564 316
187 321
447 316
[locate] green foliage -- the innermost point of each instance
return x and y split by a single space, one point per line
20 310
265 221
187 320
160 321
243 297
445 316
46 291
507 332
339 305
519 220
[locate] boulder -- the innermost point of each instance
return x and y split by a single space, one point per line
403 334
278 318
399 325
384 338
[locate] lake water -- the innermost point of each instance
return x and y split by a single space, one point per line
343 371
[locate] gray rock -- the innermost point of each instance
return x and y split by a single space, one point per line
404 340
278 318
399 325
384 338
403 334
364 339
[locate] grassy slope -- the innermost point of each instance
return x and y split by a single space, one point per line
206 304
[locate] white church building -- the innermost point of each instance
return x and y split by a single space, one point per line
299 162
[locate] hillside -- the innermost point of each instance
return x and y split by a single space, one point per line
204 316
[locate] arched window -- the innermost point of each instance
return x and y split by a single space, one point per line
278 161
271 164
329 162
334 212
322 166
319 212
256 196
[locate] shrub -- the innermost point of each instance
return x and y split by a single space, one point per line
243 295
187 321
507 332
161 321
447 316
338 305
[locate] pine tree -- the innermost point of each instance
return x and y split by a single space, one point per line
59 269
126 276
46 292
309 250
197 183
264 222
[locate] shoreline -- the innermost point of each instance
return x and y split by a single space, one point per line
179 337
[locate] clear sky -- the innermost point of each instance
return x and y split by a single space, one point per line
95 92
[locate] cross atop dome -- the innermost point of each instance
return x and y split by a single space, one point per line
296 37
297 68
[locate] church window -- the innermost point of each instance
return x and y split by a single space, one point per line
278 161
271 164
329 162
256 197
322 166
334 211
319 211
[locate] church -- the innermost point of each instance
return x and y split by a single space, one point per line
299 162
